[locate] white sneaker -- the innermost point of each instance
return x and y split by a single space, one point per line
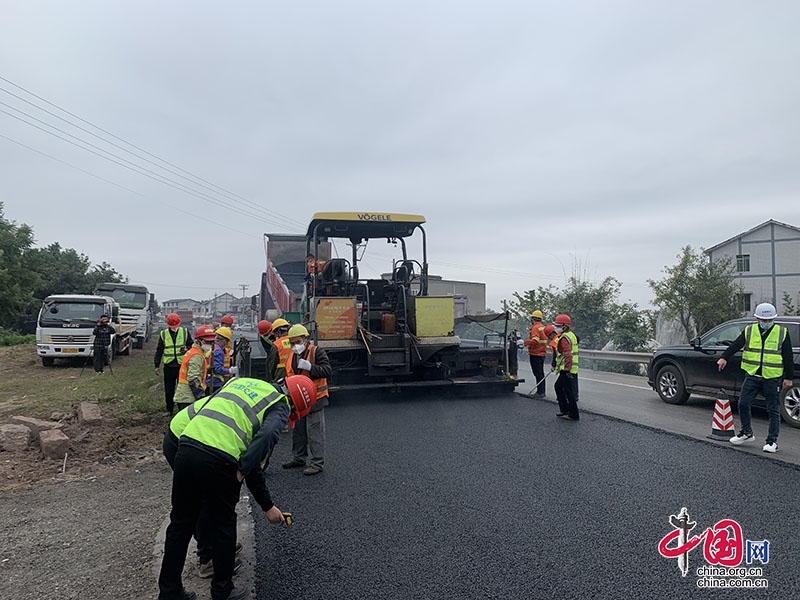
742 438
771 447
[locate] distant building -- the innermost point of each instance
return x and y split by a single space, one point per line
767 260
469 296
220 305
169 306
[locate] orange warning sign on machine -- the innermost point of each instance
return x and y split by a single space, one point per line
336 318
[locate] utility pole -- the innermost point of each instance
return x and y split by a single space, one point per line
244 287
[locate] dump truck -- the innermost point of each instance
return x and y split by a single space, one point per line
65 323
380 332
134 308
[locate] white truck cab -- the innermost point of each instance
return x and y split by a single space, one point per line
65 323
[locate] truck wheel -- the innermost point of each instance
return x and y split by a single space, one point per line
790 405
139 344
670 386
47 361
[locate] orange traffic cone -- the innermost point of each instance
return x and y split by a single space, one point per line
722 423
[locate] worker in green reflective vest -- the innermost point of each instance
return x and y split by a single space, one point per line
768 362
173 343
222 445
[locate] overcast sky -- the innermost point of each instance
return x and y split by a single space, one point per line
532 135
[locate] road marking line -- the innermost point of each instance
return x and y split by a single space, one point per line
636 387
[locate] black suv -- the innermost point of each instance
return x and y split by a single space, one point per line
675 372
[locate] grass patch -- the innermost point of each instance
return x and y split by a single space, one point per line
128 388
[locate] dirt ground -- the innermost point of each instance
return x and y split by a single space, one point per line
83 527
124 438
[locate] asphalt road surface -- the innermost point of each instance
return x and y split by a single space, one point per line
496 498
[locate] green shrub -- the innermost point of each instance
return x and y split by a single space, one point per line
12 338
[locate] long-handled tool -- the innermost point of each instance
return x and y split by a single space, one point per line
86 362
535 385
109 363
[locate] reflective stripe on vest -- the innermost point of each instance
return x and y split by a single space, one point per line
184 371
320 384
181 420
573 342
765 354
284 350
174 351
231 418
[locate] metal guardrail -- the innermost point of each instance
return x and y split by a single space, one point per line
626 357
590 358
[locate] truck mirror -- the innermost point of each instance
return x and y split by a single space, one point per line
695 343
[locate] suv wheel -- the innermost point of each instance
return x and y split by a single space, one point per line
790 405
670 386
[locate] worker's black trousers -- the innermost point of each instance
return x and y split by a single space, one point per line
201 482
171 372
567 395
537 366
98 358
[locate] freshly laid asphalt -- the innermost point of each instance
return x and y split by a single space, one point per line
496 498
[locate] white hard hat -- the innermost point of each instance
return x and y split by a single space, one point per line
765 311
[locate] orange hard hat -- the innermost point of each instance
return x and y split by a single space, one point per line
264 327
227 320
204 332
173 320
563 319
303 393
549 330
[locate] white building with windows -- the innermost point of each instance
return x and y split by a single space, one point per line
767 264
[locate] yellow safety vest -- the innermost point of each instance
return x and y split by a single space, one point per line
181 420
174 351
233 416
765 354
573 342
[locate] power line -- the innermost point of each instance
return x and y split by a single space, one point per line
155 164
130 165
222 190
127 189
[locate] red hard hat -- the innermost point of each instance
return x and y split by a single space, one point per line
227 320
215 324
204 332
563 319
549 330
264 327
303 393
173 320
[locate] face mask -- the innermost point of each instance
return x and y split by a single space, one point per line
299 348
559 330
765 325
206 348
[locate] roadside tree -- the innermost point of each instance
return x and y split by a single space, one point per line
699 293
16 281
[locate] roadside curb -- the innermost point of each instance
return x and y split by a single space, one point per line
705 439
